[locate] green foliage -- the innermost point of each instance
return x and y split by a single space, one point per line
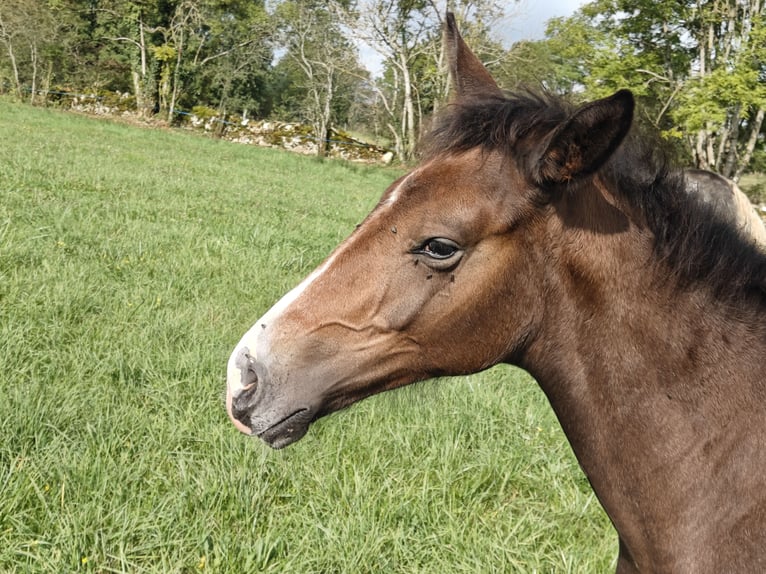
134 45
561 63
164 53
322 62
696 69
234 58
131 261
204 112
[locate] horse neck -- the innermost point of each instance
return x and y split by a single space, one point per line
643 377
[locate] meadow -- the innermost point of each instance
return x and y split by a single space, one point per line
131 261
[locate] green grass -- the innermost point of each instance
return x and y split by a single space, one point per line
131 261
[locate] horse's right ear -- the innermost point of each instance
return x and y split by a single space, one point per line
469 76
582 144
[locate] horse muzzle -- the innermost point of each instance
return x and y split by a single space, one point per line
256 410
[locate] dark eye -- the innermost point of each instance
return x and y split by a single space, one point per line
439 248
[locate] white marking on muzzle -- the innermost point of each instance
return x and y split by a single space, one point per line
254 336
255 339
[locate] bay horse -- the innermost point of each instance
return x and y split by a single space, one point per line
549 237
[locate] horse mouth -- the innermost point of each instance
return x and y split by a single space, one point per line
287 431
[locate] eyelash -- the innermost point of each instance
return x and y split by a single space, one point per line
438 249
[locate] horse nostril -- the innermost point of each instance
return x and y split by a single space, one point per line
246 365
249 378
242 388
241 405
240 414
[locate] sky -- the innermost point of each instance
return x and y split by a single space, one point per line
525 21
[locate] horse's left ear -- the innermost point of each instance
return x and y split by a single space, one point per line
469 76
586 140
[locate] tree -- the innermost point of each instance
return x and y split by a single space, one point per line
561 63
225 42
725 97
27 31
396 30
476 19
316 45
230 68
697 67
407 34
127 26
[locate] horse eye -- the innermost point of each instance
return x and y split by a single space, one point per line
439 248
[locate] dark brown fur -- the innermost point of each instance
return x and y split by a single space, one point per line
544 235
693 234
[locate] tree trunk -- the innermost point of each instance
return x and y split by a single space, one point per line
752 140
137 91
730 136
323 144
176 82
408 115
705 63
139 81
699 150
47 81
15 68
33 58
398 147
709 149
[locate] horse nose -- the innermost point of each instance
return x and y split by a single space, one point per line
241 387
240 409
245 363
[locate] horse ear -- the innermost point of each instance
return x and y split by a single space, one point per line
469 76
585 141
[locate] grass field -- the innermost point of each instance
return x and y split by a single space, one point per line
131 261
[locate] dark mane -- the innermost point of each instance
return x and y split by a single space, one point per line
495 123
690 237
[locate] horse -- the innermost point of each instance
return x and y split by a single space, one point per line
555 238
728 200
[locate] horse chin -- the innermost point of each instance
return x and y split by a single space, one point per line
287 431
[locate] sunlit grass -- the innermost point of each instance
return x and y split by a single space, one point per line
131 261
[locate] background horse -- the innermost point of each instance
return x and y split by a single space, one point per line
728 200
545 236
